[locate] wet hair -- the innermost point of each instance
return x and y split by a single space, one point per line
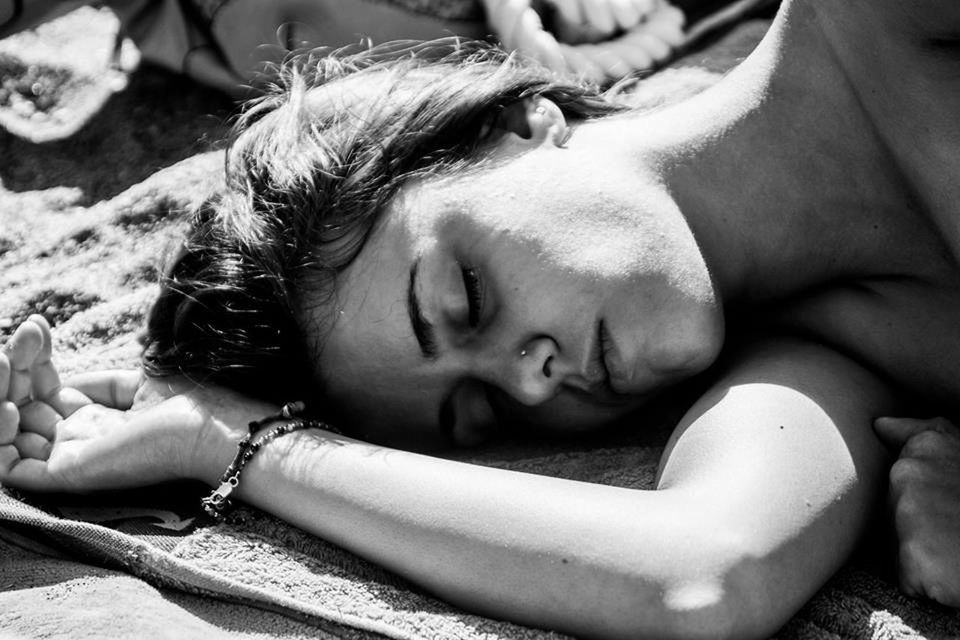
309 168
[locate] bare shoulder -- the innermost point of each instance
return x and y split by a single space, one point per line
785 403
782 452
832 380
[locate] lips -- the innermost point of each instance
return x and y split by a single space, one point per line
610 362
599 372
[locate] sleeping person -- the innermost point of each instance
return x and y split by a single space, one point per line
436 253
228 43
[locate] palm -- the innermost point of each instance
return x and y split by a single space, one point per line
112 429
101 448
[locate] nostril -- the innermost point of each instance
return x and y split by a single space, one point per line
546 366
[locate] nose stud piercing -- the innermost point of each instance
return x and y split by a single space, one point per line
523 353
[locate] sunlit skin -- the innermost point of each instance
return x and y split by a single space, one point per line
562 256
788 232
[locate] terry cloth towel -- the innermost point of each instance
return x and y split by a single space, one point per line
86 216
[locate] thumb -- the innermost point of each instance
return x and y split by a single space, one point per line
115 388
896 431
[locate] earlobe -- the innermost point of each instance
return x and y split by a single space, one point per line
535 119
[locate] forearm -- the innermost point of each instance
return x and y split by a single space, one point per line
586 559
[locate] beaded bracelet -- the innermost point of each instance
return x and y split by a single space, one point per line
217 504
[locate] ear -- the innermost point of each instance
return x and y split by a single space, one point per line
536 119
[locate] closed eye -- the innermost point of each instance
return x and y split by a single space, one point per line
473 286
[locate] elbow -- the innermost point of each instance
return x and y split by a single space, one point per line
721 607
726 590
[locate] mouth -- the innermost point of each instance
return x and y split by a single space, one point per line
600 382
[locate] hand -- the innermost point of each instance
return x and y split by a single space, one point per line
601 19
87 435
925 491
648 42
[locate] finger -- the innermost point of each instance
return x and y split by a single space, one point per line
535 42
896 431
637 57
44 378
506 21
39 418
570 11
8 459
646 7
667 23
46 350
548 50
652 44
613 65
9 422
599 15
22 350
581 65
627 13
69 400
29 475
32 445
114 388
908 573
4 375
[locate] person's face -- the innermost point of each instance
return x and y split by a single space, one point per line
535 290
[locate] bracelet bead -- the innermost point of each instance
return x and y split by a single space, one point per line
218 503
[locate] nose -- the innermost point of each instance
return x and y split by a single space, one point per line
531 375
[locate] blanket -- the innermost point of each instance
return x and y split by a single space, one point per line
100 161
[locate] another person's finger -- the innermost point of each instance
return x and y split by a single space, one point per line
655 48
505 20
613 65
667 23
581 65
32 445
40 418
627 13
114 388
908 572
638 58
531 39
895 432
548 50
599 15
570 11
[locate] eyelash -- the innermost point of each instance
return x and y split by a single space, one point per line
473 285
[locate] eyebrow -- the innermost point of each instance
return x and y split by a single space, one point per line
422 328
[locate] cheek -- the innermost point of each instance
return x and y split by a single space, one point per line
592 229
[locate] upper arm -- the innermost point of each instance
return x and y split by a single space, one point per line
781 456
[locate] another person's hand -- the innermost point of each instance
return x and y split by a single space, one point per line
925 492
605 56
595 20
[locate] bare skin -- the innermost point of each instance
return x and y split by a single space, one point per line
824 223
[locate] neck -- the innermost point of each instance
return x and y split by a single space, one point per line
775 168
